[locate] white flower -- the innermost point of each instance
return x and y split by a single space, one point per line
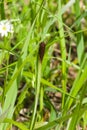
5 28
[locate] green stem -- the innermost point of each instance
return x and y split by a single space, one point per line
2 10
38 77
63 51
41 98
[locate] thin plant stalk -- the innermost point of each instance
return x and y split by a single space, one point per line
38 78
41 98
63 50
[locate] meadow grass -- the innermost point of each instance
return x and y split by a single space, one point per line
28 69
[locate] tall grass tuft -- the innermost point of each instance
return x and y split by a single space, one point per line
43 65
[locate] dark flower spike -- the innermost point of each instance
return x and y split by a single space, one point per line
41 50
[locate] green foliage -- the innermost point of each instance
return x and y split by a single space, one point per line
29 70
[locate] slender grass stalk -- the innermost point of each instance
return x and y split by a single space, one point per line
37 85
63 50
41 98
41 54
38 80
2 10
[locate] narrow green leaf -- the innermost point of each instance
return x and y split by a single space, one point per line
21 126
